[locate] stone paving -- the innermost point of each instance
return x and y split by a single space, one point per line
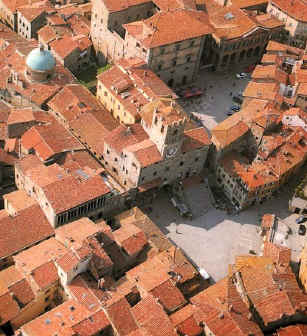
212 107
213 238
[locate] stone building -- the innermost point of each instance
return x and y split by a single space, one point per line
65 196
257 150
294 15
30 20
165 147
107 20
238 37
173 53
127 87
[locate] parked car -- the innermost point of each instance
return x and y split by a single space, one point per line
242 75
301 220
302 230
237 99
229 113
235 108
190 92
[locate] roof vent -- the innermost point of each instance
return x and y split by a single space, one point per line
47 321
229 16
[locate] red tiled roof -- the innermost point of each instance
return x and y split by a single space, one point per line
48 140
150 315
64 46
195 138
169 296
295 330
59 320
131 238
124 136
184 321
145 152
163 29
121 317
45 275
92 325
80 291
30 226
294 8
69 192
8 307
22 291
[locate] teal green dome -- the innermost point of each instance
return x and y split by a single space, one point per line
40 60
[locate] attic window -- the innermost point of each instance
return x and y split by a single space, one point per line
81 104
228 16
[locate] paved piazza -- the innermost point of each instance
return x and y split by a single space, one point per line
212 238
211 108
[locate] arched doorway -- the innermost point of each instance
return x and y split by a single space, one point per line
249 52
225 59
242 55
233 58
171 82
257 51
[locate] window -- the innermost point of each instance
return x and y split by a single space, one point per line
162 129
181 163
47 298
108 152
162 51
188 58
192 43
174 62
154 173
196 159
159 66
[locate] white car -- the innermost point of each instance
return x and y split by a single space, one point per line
242 75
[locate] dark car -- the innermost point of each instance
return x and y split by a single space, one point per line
301 220
235 108
302 230
237 99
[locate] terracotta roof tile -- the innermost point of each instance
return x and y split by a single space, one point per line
124 136
48 140
59 320
150 315
45 275
22 292
69 192
195 138
80 291
162 28
8 307
39 255
297 9
131 238
29 227
121 317
169 296
92 325
145 152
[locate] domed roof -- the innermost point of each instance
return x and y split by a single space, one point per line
40 60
